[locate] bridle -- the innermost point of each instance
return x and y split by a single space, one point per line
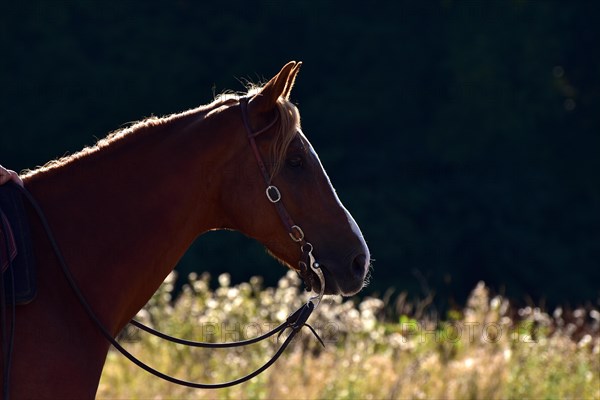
307 262
295 322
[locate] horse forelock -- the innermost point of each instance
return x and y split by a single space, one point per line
287 126
287 129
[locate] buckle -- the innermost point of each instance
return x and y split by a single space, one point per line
296 233
273 194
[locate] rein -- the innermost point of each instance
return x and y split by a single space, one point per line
295 322
7 340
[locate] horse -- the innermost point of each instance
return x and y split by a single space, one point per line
125 210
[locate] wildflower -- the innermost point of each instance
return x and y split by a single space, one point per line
224 280
585 341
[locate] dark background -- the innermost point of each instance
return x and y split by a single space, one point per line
463 136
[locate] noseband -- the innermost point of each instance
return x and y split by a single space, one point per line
295 322
307 262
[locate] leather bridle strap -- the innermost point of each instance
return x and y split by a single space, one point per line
307 261
272 192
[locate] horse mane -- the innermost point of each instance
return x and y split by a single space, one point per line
287 126
110 139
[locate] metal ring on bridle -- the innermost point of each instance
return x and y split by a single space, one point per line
316 268
307 248
297 234
277 194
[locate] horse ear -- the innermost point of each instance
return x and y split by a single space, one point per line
291 80
279 86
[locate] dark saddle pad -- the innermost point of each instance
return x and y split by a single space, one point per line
16 250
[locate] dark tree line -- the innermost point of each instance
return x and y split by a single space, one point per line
463 136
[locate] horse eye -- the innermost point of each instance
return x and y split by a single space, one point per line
295 161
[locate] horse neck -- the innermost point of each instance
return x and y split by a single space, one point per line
124 215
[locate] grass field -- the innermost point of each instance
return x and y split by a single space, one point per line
487 351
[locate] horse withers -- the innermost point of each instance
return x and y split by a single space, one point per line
126 209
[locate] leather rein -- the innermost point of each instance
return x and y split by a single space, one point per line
295 322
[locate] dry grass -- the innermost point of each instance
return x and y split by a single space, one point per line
481 353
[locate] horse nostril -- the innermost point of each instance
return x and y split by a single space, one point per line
359 266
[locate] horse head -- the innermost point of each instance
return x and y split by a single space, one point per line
294 177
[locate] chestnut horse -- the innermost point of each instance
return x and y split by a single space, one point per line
125 210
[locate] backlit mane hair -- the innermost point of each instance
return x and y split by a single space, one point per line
287 126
